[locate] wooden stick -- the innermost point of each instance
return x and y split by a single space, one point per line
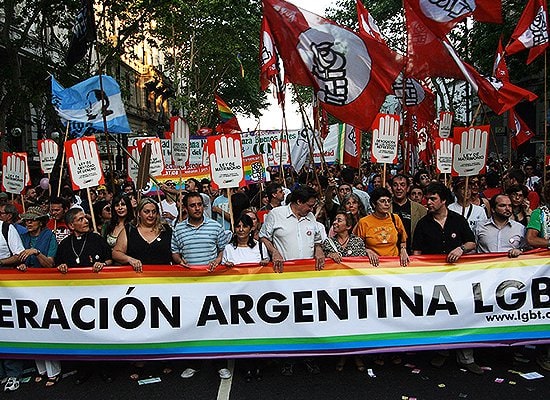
94 224
62 159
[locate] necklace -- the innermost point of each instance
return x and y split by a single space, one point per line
81 250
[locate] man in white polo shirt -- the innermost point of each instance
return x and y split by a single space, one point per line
291 232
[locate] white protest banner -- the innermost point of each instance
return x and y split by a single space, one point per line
445 124
252 311
14 172
84 164
28 181
226 161
385 138
444 155
280 154
47 153
180 141
260 142
132 166
470 150
156 166
198 153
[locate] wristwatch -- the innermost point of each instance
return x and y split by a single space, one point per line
37 252
463 248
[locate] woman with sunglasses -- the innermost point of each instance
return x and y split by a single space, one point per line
40 249
521 210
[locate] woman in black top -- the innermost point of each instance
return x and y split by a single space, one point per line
148 242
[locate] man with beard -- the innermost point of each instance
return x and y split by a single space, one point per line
499 233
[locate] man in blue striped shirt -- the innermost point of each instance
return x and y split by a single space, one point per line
197 240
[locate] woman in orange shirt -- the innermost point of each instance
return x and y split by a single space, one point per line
382 231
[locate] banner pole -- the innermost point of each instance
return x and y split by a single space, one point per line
62 158
94 224
104 118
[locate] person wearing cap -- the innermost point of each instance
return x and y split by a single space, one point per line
101 192
39 241
40 250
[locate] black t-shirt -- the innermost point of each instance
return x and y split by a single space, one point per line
404 213
158 252
431 238
83 251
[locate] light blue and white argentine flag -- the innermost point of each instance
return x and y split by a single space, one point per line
81 105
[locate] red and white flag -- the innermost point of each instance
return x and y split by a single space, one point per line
531 31
441 16
350 74
269 64
367 24
519 130
427 57
498 95
500 69
352 146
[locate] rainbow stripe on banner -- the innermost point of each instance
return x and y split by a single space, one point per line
348 308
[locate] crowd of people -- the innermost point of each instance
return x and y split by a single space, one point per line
333 213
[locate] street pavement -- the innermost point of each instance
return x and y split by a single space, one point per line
414 378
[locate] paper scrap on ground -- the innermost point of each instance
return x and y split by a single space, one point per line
149 380
532 375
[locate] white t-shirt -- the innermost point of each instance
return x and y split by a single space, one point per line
242 255
16 245
472 213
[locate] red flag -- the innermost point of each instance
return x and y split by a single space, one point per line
519 130
350 74
498 95
426 56
352 146
367 24
500 69
228 121
268 56
531 31
417 97
441 16
269 64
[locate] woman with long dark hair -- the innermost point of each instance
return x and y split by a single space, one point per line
122 213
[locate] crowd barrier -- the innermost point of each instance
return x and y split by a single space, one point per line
170 312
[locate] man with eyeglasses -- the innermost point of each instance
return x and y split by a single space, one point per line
291 232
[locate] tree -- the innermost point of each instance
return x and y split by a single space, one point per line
30 50
207 40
